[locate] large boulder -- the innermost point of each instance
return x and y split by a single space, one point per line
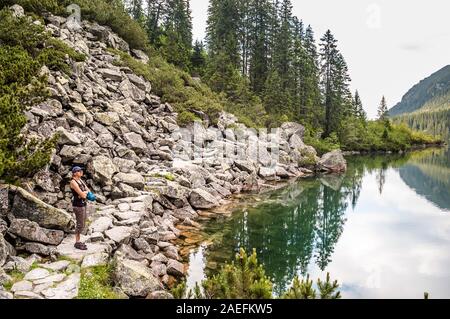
4 200
27 206
133 179
33 232
290 128
135 142
102 169
333 162
201 199
3 251
135 279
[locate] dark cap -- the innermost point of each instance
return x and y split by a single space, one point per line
76 169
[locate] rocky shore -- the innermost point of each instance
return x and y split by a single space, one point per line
150 177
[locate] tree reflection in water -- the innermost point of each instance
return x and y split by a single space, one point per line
300 224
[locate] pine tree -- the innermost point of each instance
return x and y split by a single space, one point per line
383 110
153 17
177 42
358 109
198 59
222 36
260 12
335 84
135 9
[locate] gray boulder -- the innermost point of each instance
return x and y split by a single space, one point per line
135 142
291 128
3 251
27 206
201 199
133 179
333 162
32 231
175 268
102 169
135 279
37 248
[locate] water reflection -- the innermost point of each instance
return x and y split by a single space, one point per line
296 230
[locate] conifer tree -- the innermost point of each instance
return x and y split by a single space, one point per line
383 110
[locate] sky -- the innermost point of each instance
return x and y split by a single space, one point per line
389 45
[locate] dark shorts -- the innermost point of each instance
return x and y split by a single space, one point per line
81 216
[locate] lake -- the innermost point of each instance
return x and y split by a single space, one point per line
382 229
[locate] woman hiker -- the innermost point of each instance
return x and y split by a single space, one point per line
80 192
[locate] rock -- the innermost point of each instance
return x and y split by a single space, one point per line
226 120
69 153
18 263
4 200
102 169
107 118
160 295
43 179
136 80
111 74
174 190
135 142
56 266
129 90
78 108
37 273
140 55
50 279
121 234
160 258
4 278
135 279
291 128
268 173
40 249
66 249
245 166
68 289
23 285
99 259
5 295
101 224
27 295
133 179
175 268
32 231
333 162
201 199
28 206
124 165
4 253
17 11
67 138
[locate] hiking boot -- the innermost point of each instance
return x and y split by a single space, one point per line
80 246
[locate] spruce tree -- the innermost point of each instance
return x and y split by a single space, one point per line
383 110
198 59
177 43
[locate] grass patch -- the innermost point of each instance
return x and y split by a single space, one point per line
97 283
16 276
168 176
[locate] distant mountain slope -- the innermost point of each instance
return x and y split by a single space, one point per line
431 93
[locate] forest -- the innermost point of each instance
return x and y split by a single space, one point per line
258 61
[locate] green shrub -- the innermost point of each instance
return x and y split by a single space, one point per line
245 279
323 146
21 86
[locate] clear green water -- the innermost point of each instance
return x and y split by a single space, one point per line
382 229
